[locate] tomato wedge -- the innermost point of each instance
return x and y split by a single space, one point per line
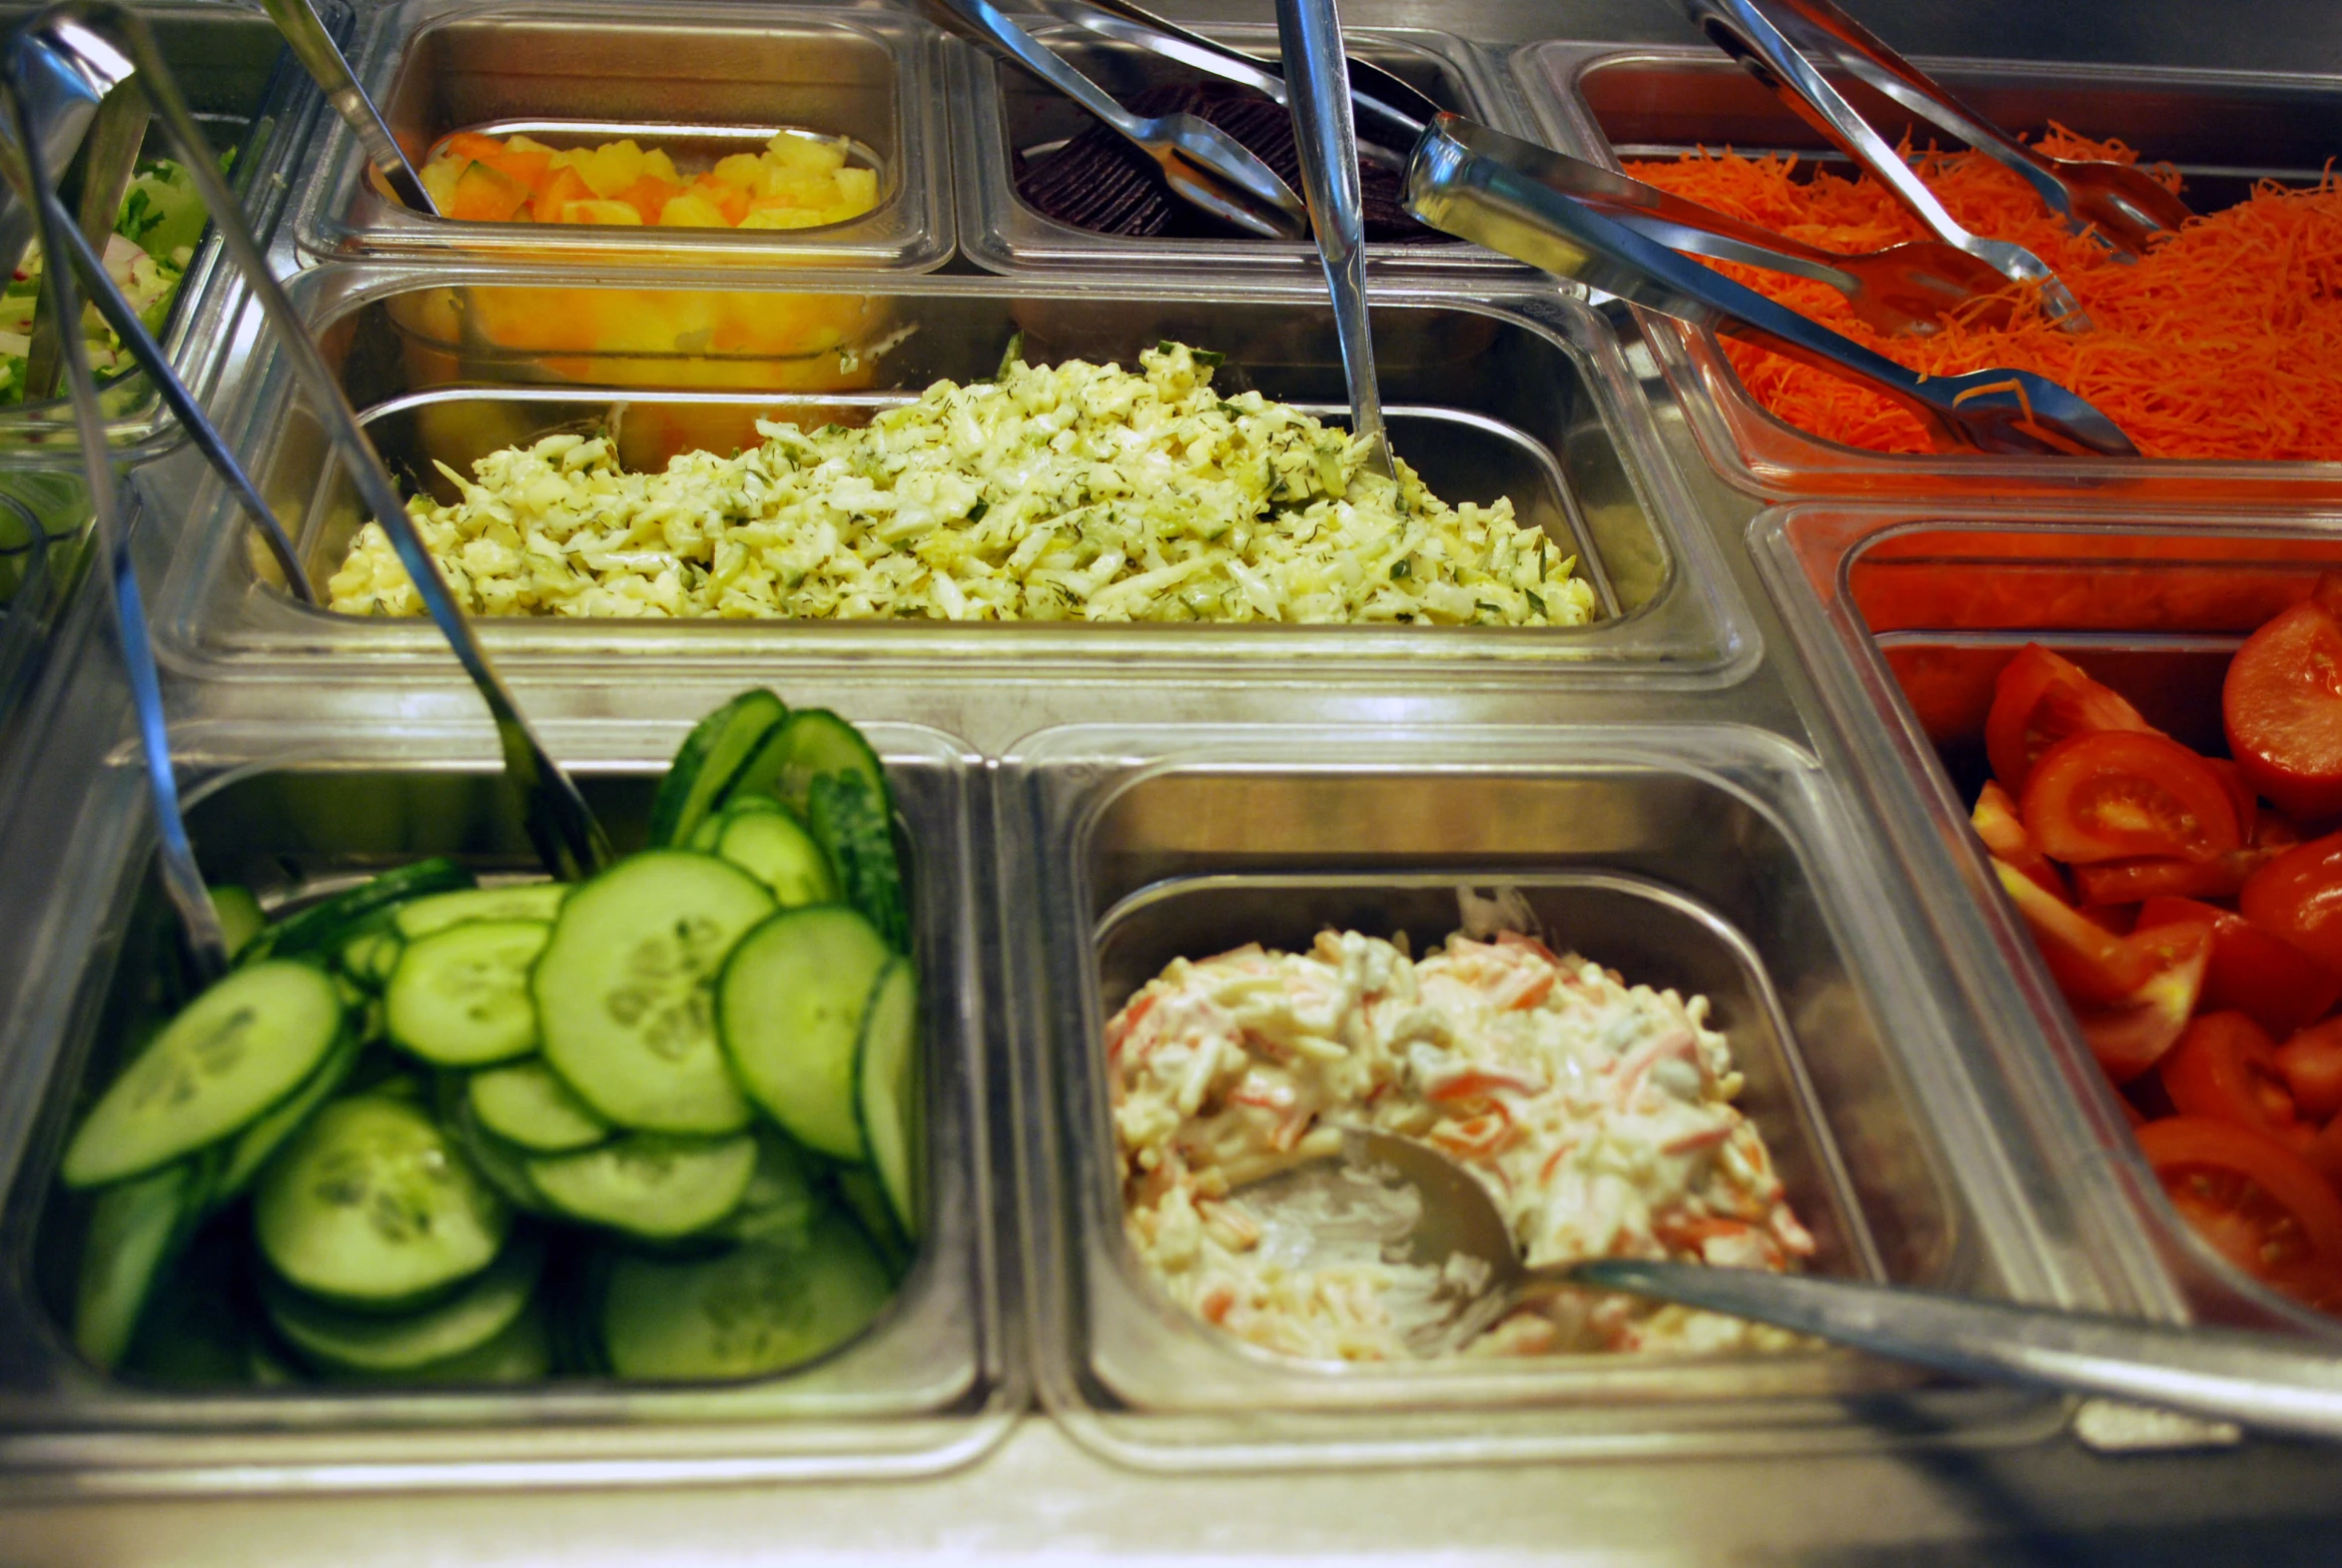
1996 823
2089 963
2225 1068
2252 970
2261 1206
2298 895
2311 1064
2119 794
2130 880
2131 1035
2281 704
2040 699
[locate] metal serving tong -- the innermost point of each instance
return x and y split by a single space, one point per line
66 53
1203 163
2121 205
305 35
1500 192
1743 31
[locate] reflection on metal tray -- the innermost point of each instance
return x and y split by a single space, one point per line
921 1388
1697 857
689 74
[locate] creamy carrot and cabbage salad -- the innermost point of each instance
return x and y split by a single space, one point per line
1599 1116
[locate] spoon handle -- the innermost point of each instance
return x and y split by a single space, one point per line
1029 52
305 35
2258 1380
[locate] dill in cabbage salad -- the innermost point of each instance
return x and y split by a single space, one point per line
153 241
1070 492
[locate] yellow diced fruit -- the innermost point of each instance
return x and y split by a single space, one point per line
518 143
857 189
692 211
438 181
659 166
741 169
600 212
612 168
780 217
809 154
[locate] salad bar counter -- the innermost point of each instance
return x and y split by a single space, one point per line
1040 791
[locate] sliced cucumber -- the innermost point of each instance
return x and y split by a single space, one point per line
528 1104
816 741
649 1184
710 832
710 759
780 1203
747 1312
231 1054
886 1087
322 928
503 1164
133 1225
459 997
508 901
859 1194
193 1334
790 1006
250 1149
852 825
775 848
372 1204
623 989
339 1338
241 918
370 956
521 1353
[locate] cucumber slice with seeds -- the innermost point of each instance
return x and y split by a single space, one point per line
133 1227
790 1007
886 1087
511 900
523 1353
231 1054
503 1164
372 1204
747 1312
775 848
459 997
340 1337
623 989
250 1149
527 1103
649 1184
780 1203
710 759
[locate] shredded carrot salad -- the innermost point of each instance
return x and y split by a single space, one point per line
2225 340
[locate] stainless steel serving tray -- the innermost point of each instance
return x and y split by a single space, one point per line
1527 398
2224 129
644 69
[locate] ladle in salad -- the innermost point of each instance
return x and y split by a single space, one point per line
2257 1381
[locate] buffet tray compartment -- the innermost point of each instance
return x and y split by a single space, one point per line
1908 616
296 810
684 76
2224 130
1698 855
1004 114
1531 399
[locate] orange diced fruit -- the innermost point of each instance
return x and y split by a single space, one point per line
483 195
471 143
531 167
649 196
599 210
562 187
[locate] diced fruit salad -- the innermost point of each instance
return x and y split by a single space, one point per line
798 181
2189 908
661 1124
154 239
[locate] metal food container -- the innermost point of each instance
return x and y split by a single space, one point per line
294 807
698 79
1004 112
254 103
2224 128
1705 856
1909 616
1530 400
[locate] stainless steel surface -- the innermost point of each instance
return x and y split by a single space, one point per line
2262 1381
1469 180
1741 30
298 20
109 157
1203 164
1309 32
2121 206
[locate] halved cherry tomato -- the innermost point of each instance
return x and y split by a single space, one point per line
2225 1068
2040 699
2298 895
2252 970
2121 794
1996 823
2311 1064
2132 1033
2261 1206
2282 707
2089 963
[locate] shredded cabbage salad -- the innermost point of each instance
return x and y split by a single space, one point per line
153 241
1077 492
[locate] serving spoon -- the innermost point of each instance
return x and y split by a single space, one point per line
2257 1381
